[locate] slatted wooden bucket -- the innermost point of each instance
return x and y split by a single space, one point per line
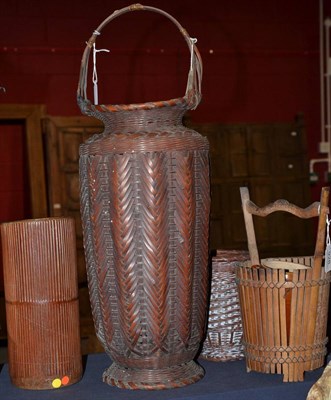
276 298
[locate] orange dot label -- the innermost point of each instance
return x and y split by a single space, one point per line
65 380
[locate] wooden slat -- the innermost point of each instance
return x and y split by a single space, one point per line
303 310
283 322
316 271
293 327
276 319
264 317
252 246
257 317
271 334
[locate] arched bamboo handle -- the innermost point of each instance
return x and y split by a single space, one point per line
193 88
283 205
317 209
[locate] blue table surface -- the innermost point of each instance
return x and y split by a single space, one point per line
223 380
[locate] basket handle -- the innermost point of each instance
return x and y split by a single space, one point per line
193 88
317 209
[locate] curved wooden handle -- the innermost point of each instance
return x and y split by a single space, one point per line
317 209
193 89
283 205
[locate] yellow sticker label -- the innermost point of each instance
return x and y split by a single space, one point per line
56 383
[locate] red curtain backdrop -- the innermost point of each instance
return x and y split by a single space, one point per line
261 58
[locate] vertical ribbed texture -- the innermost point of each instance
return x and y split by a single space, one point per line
185 223
41 292
145 223
276 309
145 209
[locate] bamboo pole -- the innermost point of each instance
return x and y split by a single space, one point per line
316 270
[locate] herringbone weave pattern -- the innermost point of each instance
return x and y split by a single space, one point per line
145 203
145 218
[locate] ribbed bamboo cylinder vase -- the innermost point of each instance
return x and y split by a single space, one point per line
41 293
145 209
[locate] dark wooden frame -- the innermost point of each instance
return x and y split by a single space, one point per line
32 115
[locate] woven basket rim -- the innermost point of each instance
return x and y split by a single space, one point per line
182 102
294 262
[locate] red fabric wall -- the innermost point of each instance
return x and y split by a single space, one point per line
261 58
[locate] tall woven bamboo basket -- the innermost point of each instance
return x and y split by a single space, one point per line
145 210
284 301
224 333
41 293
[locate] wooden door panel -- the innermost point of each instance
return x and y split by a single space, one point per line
63 138
237 150
227 228
271 159
289 141
71 183
291 166
259 150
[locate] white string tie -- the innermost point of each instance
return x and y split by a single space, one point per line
193 42
328 241
327 255
95 75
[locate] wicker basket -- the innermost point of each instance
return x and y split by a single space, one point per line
145 211
224 333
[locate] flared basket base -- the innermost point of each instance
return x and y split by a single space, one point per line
149 379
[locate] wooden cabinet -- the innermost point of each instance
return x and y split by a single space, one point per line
271 159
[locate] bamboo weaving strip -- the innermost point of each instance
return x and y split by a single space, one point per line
258 317
283 323
293 328
264 319
271 337
276 324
